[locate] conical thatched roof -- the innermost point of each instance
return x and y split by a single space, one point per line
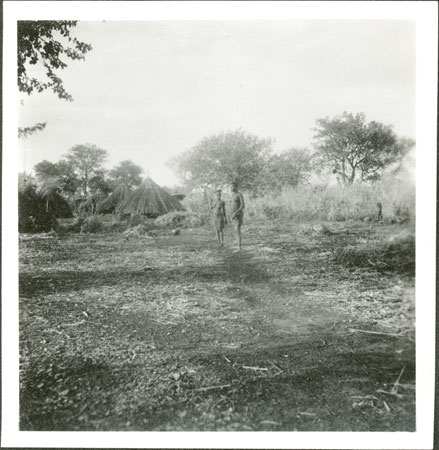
114 199
149 198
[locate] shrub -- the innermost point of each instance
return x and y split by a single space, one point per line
197 203
76 226
272 212
92 224
136 219
33 214
182 219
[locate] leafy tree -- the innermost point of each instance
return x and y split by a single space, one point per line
27 131
87 161
222 158
352 148
127 173
44 44
24 179
99 183
289 168
62 173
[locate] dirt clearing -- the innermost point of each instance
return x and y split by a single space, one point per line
173 333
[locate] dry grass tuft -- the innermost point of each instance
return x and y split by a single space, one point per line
396 254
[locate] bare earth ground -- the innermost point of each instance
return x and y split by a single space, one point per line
173 333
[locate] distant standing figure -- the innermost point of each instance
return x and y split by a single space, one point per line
237 211
380 211
219 217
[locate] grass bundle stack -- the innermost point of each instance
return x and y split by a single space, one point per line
149 199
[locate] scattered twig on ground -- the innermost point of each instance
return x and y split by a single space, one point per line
269 422
395 386
274 365
354 330
381 391
208 388
369 397
164 323
407 386
227 359
74 324
386 406
307 414
277 373
255 368
80 411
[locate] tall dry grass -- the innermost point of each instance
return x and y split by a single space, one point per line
327 202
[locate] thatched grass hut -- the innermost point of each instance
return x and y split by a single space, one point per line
149 199
54 202
114 199
90 204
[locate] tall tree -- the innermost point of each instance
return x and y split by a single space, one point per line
352 148
61 173
127 173
45 44
222 158
100 183
289 168
87 161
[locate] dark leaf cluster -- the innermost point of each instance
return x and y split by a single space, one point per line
46 43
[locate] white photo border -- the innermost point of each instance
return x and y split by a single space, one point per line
425 15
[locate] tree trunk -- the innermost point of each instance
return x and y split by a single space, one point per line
352 177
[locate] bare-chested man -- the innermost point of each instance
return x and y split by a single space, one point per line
219 217
238 206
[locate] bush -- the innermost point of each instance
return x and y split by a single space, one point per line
198 204
272 212
33 214
182 219
92 224
136 219
76 226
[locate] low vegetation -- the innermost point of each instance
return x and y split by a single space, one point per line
338 203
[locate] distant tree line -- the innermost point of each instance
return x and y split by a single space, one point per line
345 146
75 184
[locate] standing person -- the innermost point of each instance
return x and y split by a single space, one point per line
380 211
219 217
237 211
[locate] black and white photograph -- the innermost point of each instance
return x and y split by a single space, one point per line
217 226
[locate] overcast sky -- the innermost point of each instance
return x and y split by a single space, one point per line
149 90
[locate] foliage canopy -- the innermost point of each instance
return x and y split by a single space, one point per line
289 168
44 43
350 147
87 161
127 173
219 159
